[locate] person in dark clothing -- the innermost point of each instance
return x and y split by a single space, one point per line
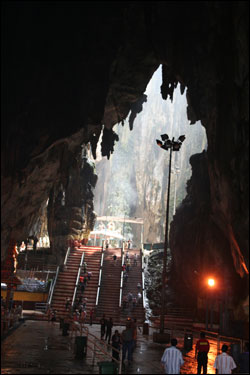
26 243
35 243
109 327
103 323
116 343
82 288
127 341
202 347
244 360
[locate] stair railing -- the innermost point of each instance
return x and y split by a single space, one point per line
100 348
66 256
53 286
121 283
100 277
143 281
77 280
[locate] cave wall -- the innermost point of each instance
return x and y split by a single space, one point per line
67 69
70 208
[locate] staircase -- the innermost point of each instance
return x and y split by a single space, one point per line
110 286
66 280
92 256
176 318
134 276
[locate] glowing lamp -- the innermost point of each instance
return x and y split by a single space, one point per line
211 282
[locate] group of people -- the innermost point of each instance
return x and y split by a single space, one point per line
172 359
126 339
130 301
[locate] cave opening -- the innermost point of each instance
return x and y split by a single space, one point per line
133 183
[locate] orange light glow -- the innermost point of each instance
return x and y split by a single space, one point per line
211 282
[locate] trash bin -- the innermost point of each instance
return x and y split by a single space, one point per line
107 368
235 351
188 341
145 329
80 347
65 329
61 323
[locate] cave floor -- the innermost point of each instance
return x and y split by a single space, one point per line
38 347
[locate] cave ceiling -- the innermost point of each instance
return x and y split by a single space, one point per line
68 68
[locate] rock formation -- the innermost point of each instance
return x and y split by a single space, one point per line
69 69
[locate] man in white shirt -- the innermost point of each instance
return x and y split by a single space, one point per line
172 359
224 363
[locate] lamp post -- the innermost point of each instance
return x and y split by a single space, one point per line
211 285
173 146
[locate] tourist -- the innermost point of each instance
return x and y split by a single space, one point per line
107 244
125 277
202 347
244 360
83 316
53 316
128 266
138 286
129 244
134 301
130 297
109 326
124 267
224 363
172 359
35 240
89 275
135 259
84 267
127 255
85 279
82 288
114 258
22 246
103 323
139 296
116 344
67 304
124 302
127 341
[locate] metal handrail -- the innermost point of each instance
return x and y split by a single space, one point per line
77 280
66 256
143 289
121 283
100 347
100 278
53 287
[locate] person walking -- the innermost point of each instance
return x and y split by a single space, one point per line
224 363
244 360
172 359
103 323
127 342
109 327
116 344
202 347
114 258
67 303
128 265
135 259
89 275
